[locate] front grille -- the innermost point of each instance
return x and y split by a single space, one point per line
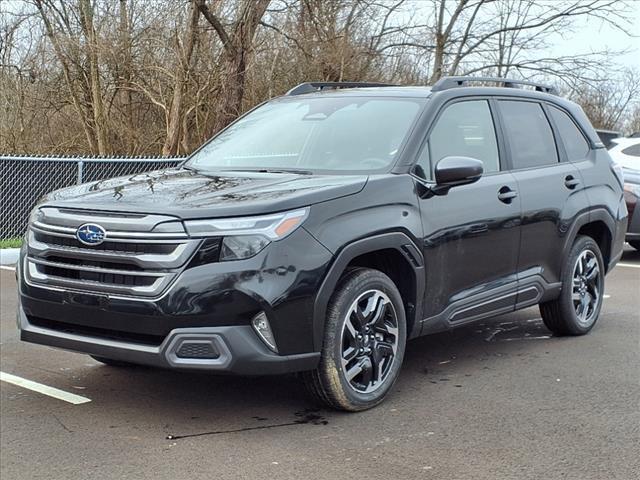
121 247
96 276
93 263
135 262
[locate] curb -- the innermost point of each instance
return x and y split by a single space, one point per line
9 256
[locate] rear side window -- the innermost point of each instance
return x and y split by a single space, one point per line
464 129
530 135
574 143
633 150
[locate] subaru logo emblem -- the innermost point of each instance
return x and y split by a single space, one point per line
90 234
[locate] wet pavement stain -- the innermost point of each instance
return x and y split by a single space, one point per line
305 417
310 416
532 329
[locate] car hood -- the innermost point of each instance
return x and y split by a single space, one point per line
189 194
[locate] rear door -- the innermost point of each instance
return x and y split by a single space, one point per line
550 190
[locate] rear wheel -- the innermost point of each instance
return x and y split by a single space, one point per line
364 342
576 310
635 244
111 362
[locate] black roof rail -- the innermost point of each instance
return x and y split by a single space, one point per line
445 83
310 87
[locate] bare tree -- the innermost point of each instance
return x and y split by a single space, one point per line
131 77
496 36
237 43
175 114
92 54
607 102
58 26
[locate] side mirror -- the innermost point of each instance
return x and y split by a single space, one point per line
455 171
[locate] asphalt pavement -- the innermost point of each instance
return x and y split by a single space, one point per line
500 399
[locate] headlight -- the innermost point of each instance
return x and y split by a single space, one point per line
243 237
242 246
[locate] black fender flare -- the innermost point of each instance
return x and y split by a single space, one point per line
395 240
584 218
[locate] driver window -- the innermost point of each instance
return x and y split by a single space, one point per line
464 129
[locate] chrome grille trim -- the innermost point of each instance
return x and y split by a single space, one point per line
175 259
130 263
87 268
95 286
111 235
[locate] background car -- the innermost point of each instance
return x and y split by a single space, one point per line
626 153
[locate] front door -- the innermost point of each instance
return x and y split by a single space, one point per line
472 233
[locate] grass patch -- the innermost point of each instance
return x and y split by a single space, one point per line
15 242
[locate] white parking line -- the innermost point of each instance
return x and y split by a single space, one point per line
44 389
4 267
629 265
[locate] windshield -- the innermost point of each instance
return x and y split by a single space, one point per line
331 133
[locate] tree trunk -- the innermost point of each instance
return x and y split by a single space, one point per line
86 15
82 112
126 96
438 61
174 117
440 39
237 48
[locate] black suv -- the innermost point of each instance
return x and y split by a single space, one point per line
325 228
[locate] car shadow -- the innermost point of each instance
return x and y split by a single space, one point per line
193 404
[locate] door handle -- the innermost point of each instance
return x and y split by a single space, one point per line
571 182
506 195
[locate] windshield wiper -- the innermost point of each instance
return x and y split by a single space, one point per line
271 170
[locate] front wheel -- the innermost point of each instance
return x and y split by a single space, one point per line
364 342
576 310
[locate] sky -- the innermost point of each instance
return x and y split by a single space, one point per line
593 35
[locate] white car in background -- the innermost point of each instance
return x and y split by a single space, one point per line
626 153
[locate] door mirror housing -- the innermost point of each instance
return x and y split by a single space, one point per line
455 171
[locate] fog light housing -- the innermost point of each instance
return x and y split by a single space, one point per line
260 324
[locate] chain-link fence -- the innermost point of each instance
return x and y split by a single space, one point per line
24 180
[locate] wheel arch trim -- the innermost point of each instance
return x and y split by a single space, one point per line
393 240
585 218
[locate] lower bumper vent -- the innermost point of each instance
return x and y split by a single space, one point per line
197 349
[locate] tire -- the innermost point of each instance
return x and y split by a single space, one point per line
112 363
374 358
576 310
635 244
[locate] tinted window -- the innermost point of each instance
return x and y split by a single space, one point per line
464 129
574 142
633 150
530 136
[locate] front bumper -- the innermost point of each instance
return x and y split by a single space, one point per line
214 303
238 349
